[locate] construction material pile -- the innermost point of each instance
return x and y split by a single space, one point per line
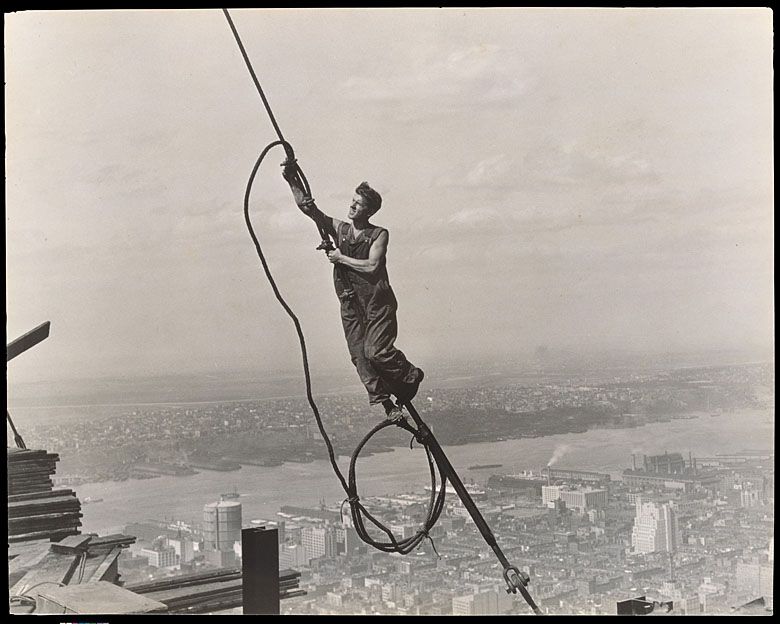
36 567
35 509
214 590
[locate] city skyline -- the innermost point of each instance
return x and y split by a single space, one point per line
656 483
580 180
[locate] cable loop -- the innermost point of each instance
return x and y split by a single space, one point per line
359 513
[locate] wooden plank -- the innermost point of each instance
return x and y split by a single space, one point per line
40 503
37 510
54 519
90 598
16 453
53 569
18 498
27 341
34 457
16 550
31 465
72 544
31 556
105 568
111 540
53 535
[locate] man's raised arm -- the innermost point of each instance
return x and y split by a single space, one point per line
306 203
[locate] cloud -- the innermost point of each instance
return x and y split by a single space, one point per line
496 174
442 83
441 253
474 216
572 163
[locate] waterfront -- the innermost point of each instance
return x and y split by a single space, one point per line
265 489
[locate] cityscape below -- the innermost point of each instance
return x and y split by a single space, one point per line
682 524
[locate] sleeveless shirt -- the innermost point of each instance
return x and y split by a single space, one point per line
373 289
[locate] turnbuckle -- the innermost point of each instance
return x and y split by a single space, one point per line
515 579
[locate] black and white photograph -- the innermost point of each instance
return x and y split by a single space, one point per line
435 311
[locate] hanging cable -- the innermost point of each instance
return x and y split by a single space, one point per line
359 513
437 460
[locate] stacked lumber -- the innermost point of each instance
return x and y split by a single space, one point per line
30 470
205 592
51 515
36 510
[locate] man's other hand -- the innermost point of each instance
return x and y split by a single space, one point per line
334 256
289 170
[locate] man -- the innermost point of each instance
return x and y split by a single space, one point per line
368 305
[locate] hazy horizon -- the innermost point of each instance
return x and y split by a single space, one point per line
258 384
588 181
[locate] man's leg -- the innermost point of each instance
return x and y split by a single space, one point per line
378 392
401 376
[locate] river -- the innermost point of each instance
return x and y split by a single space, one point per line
265 489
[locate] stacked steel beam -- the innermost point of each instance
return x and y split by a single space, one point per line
35 509
203 592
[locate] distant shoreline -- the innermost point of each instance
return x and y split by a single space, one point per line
246 385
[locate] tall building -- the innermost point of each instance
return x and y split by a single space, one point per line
183 546
655 528
292 556
221 530
750 495
755 578
347 541
319 541
550 493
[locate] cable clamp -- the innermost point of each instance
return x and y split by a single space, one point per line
422 435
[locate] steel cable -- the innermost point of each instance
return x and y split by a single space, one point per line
359 513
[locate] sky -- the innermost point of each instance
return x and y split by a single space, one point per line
575 179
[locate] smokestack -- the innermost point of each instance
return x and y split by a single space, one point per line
690 460
548 475
633 460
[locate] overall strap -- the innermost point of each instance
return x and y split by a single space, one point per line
343 232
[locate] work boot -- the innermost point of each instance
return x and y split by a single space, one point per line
409 390
393 412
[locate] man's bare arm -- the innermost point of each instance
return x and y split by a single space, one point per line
307 205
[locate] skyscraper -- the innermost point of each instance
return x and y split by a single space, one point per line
655 528
319 541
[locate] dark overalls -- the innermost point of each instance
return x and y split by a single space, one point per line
368 308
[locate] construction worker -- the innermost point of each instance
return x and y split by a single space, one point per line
368 305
